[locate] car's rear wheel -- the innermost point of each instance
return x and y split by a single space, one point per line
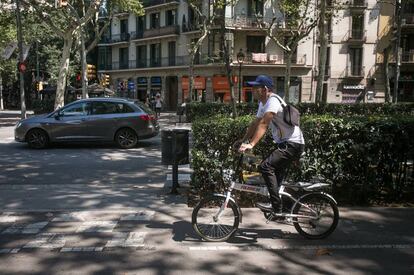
126 138
37 139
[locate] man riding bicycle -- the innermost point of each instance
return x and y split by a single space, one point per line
289 139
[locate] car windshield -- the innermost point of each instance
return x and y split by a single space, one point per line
144 107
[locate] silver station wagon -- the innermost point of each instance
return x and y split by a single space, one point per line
95 119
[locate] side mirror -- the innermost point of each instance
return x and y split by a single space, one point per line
57 115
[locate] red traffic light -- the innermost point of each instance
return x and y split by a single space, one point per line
21 66
78 77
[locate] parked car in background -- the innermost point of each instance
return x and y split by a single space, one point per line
95 119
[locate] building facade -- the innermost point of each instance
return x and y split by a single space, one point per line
149 54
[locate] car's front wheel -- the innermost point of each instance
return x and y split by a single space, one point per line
126 138
37 139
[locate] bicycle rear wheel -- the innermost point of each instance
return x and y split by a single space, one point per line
212 225
320 216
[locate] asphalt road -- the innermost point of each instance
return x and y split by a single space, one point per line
96 209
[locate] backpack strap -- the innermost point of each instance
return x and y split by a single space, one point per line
282 102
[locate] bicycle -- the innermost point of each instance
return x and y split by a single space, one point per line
216 217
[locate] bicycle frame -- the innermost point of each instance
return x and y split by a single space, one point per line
262 190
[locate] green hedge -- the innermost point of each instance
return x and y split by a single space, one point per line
43 106
202 110
368 159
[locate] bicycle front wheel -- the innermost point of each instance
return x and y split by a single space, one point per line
213 223
318 216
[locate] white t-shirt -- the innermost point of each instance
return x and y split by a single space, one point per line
158 103
281 131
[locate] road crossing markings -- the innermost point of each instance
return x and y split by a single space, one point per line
97 226
32 228
127 239
47 240
9 250
139 216
8 219
82 249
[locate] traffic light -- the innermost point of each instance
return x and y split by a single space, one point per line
39 86
106 80
91 71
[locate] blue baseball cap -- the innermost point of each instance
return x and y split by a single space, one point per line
262 80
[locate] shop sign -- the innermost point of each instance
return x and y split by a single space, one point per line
142 81
354 87
199 83
220 83
156 81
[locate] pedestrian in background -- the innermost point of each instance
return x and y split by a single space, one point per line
158 105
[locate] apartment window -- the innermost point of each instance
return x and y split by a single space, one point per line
171 53
142 56
355 55
124 26
155 54
140 23
170 16
254 7
123 58
255 44
105 58
357 26
155 20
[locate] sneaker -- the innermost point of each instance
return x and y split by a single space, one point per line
265 206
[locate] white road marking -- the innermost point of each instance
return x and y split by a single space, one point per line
139 216
127 239
97 226
47 240
8 218
82 249
304 247
181 177
70 217
32 228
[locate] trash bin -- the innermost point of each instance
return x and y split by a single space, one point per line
175 146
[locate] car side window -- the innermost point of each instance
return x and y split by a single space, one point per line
104 108
79 109
124 108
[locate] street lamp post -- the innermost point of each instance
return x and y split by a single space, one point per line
240 59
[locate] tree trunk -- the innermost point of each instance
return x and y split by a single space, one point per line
84 67
63 71
385 69
190 78
287 74
322 53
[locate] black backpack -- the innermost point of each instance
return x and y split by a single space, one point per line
291 115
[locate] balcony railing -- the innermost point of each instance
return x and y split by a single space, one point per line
137 35
162 62
190 27
174 29
407 57
150 3
358 4
116 38
407 20
265 58
355 71
254 22
357 36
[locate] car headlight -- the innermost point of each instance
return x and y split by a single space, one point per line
18 124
